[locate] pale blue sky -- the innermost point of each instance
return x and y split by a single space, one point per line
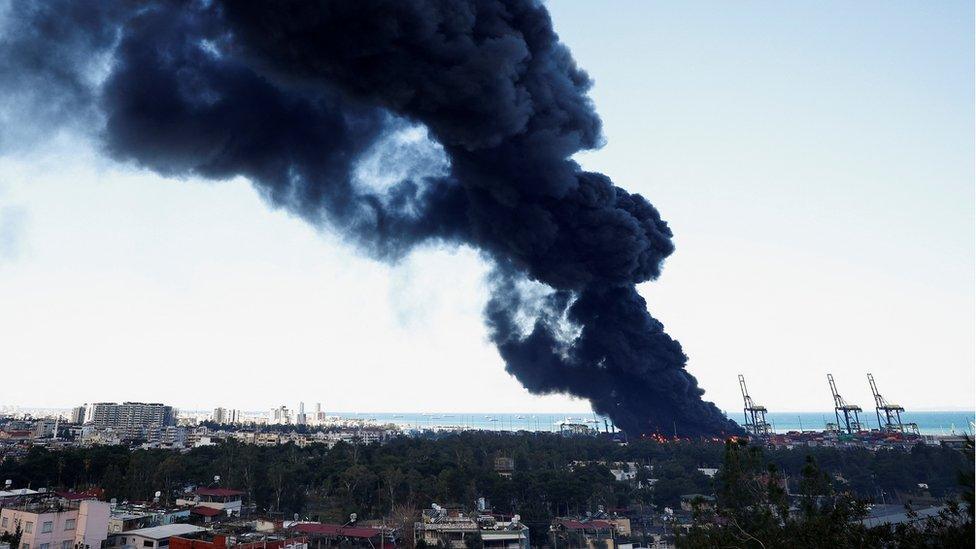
814 160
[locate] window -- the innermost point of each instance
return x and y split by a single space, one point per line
69 524
147 543
24 546
46 528
45 546
29 529
3 524
66 544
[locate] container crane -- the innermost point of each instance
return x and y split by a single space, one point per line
892 413
755 415
852 422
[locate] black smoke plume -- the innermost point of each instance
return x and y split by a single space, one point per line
298 96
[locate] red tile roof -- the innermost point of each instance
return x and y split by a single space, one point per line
89 494
205 511
219 492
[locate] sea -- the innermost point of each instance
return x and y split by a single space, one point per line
929 423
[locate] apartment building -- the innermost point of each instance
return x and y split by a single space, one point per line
132 419
55 524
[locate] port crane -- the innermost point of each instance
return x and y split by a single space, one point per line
755 415
892 413
852 423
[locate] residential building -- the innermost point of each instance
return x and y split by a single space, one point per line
44 428
132 419
504 466
78 415
227 416
440 527
590 533
330 535
222 499
53 523
279 416
210 540
134 517
149 538
170 436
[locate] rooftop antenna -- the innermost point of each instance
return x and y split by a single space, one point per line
892 413
754 415
852 423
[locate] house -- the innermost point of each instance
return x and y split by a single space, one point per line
690 501
154 537
589 533
504 466
222 499
210 540
52 523
336 534
205 515
18 495
442 527
135 516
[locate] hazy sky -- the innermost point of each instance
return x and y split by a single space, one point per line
815 162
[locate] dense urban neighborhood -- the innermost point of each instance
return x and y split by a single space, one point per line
137 475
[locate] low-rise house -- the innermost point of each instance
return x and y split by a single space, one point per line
691 501
589 533
136 516
453 528
504 466
17 495
318 534
149 538
210 540
202 514
222 499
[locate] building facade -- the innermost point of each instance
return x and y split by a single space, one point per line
132 419
52 524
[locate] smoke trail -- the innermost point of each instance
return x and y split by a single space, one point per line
299 96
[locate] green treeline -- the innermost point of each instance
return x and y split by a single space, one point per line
754 511
456 469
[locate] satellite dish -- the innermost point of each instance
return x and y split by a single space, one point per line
158 493
8 482
352 517
216 478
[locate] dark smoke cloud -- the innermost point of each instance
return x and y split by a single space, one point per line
295 95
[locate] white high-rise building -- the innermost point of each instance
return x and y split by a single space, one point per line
279 416
132 419
301 419
227 416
